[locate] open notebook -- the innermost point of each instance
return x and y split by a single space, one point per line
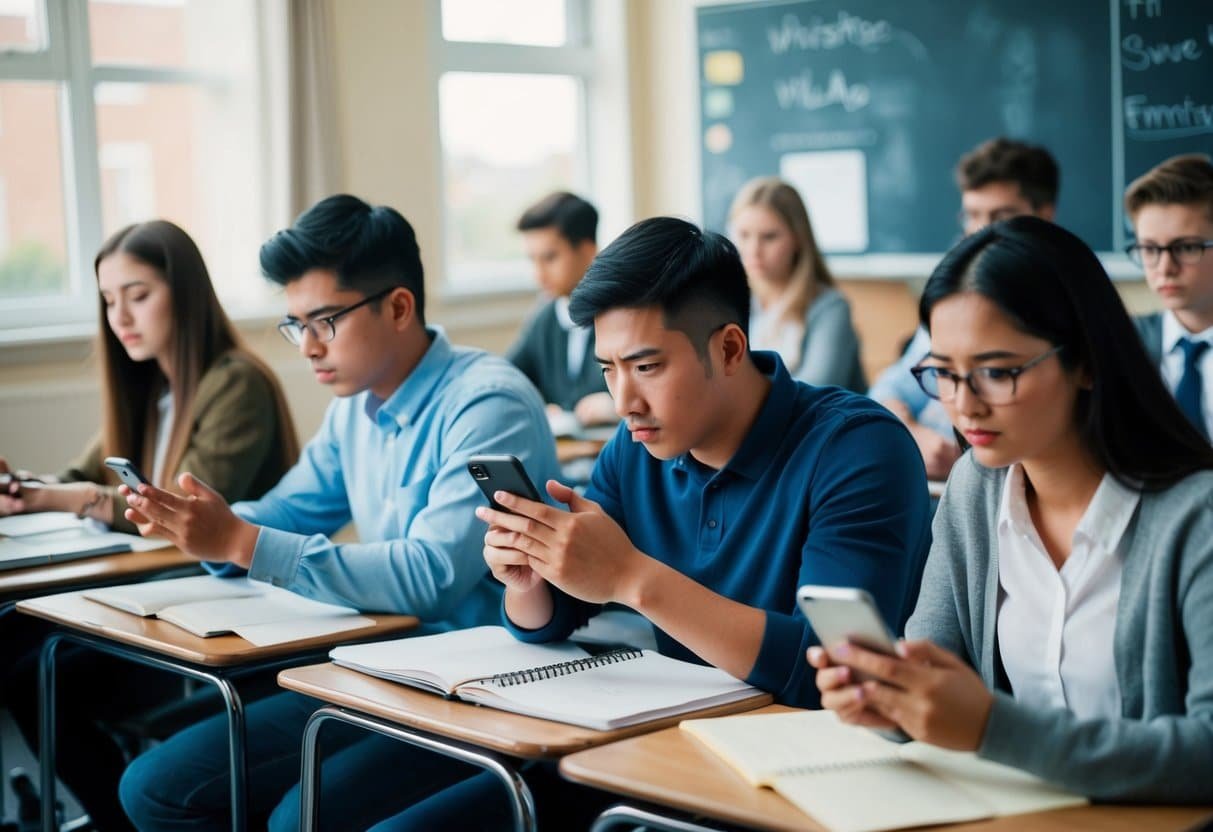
851 780
209 606
56 536
561 682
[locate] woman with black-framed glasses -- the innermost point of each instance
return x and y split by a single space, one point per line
1065 620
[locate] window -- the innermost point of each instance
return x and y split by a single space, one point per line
119 111
522 94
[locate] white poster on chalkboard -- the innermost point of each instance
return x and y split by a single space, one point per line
834 187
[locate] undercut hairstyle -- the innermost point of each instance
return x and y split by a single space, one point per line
1029 166
694 276
1180 180
1052 286
370 248
575 219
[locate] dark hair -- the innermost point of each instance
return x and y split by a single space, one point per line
371 248
1182 180
695 276
201 334
1052 286
1029 166
572 216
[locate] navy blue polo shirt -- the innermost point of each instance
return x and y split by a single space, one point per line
826 488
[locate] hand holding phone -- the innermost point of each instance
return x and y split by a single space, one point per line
844 615
502 472
127 471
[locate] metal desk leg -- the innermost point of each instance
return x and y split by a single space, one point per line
234 707
521 801
622 814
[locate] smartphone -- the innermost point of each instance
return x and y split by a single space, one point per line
502 472
845 615
127 471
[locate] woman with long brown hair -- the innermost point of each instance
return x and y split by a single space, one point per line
798 311
179 393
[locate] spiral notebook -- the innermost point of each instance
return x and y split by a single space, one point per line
850 779
561 682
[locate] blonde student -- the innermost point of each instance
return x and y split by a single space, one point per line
1171 208
179 392
1065 620
797 311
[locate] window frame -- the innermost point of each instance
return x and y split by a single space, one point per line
593 57
67 62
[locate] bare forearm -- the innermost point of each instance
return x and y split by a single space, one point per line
530 609
84 499
720 631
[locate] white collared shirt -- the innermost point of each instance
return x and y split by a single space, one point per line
1056 627
164 430
1173 362
579 336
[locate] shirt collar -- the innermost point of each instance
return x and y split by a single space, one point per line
753 458
561 305
413 393
1173 331
1102 524
1013 507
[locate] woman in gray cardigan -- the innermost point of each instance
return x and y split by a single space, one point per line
1065 621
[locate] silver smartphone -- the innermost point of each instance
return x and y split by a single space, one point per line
845 614
127 471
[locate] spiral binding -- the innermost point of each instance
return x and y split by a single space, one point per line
551 671
822 768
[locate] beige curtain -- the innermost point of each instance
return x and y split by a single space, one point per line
315 154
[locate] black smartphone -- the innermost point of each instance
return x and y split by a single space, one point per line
502 472
127 471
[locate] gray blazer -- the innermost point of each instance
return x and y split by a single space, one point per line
830 352
1149 327
1161 749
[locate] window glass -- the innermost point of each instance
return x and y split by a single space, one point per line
22 26
529 22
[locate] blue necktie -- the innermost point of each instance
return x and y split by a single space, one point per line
1187 394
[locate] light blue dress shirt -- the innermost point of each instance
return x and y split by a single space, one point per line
398 469
898 384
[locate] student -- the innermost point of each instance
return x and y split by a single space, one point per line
179 392
729 485
390 455
999 179
559 233
1065 623
1171 208
797 310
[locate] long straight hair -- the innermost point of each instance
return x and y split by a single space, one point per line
1052 286
810 275
201 334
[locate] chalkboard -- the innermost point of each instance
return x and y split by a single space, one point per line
867 104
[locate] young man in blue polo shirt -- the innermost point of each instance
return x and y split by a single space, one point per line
728 485
390 456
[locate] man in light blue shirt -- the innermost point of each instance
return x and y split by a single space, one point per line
391 456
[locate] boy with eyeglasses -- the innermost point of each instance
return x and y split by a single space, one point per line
391 456
1171 208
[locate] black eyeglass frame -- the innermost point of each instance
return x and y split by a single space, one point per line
291 325
1014 373
1135 253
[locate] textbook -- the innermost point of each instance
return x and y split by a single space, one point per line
849 779
57 536
207 606
561 682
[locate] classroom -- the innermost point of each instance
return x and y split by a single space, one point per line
606 414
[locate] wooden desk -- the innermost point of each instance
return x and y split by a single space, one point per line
569 449
671 769
482 736
165 646
122 567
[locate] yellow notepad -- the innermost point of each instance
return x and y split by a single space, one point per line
849 779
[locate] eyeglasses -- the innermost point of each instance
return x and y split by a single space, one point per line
322 329
993 385
1185 252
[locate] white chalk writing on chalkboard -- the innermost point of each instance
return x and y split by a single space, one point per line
1137 55
1166 121
801 91
818 34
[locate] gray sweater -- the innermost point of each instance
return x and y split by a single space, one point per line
1161 748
